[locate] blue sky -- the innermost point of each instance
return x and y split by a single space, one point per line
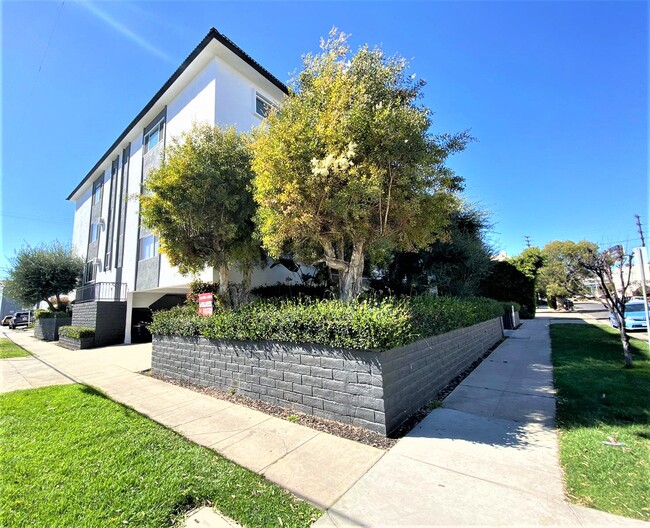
556 94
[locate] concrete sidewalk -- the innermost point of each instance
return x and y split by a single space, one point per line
316 466
488 457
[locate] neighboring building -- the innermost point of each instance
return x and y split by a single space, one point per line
7 306
125 276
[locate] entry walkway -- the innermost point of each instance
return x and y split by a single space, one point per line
489 456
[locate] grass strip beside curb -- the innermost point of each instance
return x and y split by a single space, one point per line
597 399
72 457
9 349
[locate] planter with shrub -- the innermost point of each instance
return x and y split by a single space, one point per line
369 363
48 324
76 337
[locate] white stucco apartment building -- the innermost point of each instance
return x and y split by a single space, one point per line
125 276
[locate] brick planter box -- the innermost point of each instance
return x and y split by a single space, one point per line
47 329
72 343
375 390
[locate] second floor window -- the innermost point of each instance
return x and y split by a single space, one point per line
94 232
89 272
148 247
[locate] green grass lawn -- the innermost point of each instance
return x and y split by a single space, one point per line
599 398
69 456
8 349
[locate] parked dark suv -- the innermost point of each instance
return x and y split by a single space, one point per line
21 319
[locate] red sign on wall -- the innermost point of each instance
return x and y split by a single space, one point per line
206 304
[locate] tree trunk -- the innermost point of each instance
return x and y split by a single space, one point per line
350 279
49 303
224 285
625 340
247 279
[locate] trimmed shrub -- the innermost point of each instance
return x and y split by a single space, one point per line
366 325
47 314
77 332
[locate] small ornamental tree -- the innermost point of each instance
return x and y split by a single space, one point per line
39 273
199 202
347 165
604 264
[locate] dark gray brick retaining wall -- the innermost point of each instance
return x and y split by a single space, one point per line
415 373
108 318
375 390
76 344
47 329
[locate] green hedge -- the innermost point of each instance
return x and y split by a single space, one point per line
77 332
367 325
47 314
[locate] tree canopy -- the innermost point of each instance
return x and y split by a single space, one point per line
562 275
41 272
530 261
347 164
200 204
455 264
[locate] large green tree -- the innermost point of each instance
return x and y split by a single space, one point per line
562 275
41 272
530 261
455 264
347 164
199 202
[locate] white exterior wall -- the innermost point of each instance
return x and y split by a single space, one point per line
80 230
217 87
236 98
195 104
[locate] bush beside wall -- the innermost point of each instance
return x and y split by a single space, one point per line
363 325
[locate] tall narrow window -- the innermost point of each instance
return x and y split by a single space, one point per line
94 232
89 272
121 207
115 169
153 142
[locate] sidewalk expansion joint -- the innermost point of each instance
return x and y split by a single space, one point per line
510 391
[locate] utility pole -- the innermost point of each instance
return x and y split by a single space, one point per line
643 288
527 238
638 224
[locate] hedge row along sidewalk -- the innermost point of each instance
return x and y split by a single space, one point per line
598 399
73 457
362 325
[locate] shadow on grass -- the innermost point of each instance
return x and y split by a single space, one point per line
593 385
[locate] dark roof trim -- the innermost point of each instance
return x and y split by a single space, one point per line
212 34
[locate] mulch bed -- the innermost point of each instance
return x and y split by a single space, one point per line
350 432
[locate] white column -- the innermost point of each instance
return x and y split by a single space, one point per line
129 312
